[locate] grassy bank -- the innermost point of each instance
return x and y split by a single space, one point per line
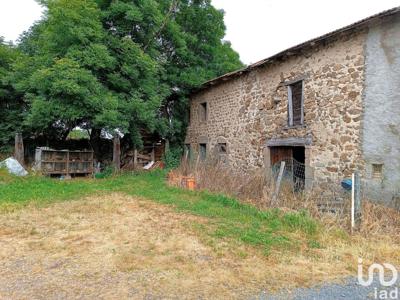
147 220
227 218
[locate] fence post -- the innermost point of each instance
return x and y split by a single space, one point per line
135 159
19 149
356 208
153 154
278 184
116 153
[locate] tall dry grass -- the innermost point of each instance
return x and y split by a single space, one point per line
215 176
328 203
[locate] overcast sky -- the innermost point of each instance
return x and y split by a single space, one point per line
256 28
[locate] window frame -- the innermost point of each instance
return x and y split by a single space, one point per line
377 171
290 103
225 146
203 111
201 147
222 156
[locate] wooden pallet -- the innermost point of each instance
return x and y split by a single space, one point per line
64 162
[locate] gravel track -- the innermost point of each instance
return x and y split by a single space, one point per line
350 289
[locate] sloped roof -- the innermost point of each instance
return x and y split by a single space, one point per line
295 49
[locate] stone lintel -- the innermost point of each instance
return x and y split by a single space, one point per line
295 80
221 140
203 140
289 142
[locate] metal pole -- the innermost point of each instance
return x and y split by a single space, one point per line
357 199
353 184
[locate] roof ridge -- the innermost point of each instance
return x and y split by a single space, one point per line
297 47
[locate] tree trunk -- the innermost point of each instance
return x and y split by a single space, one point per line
117 153
95 142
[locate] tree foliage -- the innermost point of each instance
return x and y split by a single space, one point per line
107 65
11 104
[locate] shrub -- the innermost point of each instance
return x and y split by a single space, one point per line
107 172
172 158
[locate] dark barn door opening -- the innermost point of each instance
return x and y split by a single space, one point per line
299 154
294 158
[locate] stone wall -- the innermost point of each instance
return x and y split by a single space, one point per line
249 110
381 139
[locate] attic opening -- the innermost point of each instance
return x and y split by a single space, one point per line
203 112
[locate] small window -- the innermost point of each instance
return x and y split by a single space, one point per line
295 104
377 170
203 112
203 151
221 148
222 152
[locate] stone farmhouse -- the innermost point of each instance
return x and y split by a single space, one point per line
331 103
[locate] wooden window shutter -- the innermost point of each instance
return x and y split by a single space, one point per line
295 99
290 105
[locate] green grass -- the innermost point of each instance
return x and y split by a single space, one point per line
227 218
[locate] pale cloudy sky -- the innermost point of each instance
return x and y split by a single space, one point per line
256 28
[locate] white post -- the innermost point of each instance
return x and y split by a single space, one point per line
353 189
278 183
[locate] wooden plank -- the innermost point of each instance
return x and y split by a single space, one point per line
135 159
152 155
278 184
19 149
67 173
143 156
290 105
280 153
117 153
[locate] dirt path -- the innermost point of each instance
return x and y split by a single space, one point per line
114 247
118 247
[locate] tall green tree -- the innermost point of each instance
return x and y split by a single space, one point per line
126 65
81 75
185 37
58 77
12 106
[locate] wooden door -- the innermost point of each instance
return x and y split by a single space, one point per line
280 153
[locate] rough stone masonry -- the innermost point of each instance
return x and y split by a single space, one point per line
250 111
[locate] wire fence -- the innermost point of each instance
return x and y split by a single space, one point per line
293 175
330 196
